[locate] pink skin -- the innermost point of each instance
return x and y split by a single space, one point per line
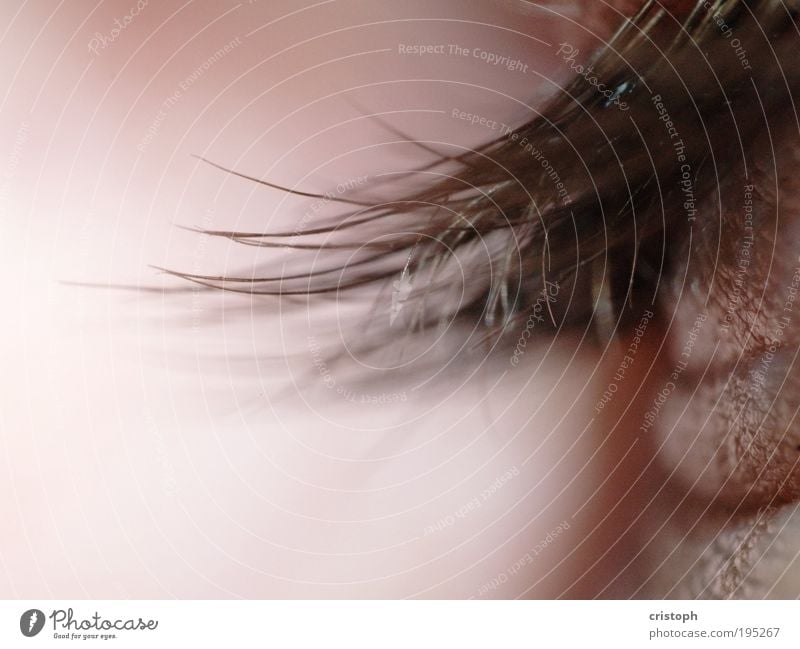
142 457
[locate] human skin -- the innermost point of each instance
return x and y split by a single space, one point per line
152 447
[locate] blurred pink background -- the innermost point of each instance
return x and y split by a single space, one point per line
145 451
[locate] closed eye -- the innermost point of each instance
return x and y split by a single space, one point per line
582 219
583 195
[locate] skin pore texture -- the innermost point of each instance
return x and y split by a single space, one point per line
730 434
197 443
719 409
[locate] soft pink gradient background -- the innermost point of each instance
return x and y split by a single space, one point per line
144 453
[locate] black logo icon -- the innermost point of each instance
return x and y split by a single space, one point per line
31 622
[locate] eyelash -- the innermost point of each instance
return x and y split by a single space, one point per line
605 240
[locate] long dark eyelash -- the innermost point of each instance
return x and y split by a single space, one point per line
602 231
